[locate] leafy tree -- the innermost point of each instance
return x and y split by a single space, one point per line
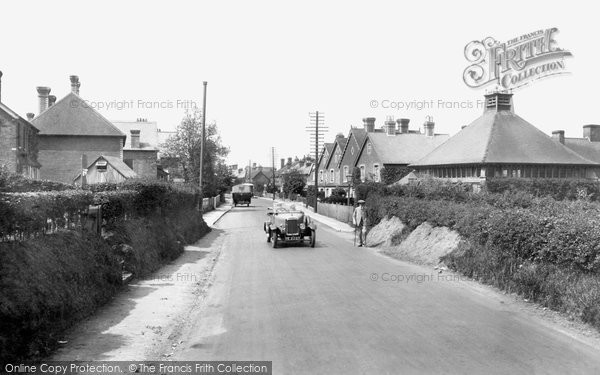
183 153
293 183
389 174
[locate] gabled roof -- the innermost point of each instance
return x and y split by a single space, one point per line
73 116
584 147
339 143
118 164
501 137
267 171
404 148
14 114
357 137
327 147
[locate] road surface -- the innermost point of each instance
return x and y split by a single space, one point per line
332 309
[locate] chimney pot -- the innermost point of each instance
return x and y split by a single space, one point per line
429 127
403 125
43 93
592 132
30 116
369 124
559 135
135 138
289 161
390 126
282 163
75 84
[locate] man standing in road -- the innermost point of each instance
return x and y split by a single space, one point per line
360 222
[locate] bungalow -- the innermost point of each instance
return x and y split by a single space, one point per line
502 144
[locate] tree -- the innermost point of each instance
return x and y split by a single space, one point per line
183 152
390 174
293 183
356 178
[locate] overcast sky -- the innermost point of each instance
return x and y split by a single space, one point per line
268 64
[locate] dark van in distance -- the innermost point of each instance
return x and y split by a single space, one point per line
242 194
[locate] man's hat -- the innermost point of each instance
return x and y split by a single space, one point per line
361 201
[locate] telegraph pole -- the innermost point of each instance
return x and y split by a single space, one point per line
273 169
315 131
202 144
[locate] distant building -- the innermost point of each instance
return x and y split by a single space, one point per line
501 144
588 146
69 129
140 152
395 147
18 143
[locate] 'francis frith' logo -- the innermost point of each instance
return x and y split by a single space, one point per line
514 63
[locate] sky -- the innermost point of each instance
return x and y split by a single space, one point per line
269 64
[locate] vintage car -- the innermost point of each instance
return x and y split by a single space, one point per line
242 194
288 225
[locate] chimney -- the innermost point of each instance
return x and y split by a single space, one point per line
75 84
43 93
135 138
403 125
253 165
289 161
339 135
369 124
282 163
429 126
0 86
51 100
30 116
559 135
592 132
390 126
462 127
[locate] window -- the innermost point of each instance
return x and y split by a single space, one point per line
345 173
362 172
352 150
101 165
331 175
369 148
376 172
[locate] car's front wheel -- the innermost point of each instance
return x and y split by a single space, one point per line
313 238
274 239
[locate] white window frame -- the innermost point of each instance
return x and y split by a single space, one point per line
346 173
376 171
369 148
321 175
363 174
331 175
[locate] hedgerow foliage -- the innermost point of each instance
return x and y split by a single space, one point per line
540 247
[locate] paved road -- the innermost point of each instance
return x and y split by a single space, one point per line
319 311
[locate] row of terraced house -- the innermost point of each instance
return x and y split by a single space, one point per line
498 144
68 138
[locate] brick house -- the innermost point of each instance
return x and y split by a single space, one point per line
70 128
354 142
501 144
140 151
332 166
395 147
18 144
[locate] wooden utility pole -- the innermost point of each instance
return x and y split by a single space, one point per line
315 130
202 145
273 168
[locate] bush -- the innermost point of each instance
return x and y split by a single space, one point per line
14 183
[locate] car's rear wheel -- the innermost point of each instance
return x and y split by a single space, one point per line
313 238
274 239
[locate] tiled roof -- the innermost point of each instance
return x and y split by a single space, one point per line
402 148
584 147
267 171
501 137
13 114
118 164
326 147
73 116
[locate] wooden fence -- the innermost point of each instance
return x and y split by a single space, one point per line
336 211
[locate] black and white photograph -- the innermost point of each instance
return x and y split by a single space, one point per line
315 187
